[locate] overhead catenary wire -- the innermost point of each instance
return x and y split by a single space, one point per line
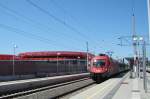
64 11
58 20
17 14
73 19
31 35
23 33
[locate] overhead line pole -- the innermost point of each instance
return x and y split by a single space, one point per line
144 66
134 44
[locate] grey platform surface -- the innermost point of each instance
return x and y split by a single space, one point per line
128 88
39 79
104 90
133 89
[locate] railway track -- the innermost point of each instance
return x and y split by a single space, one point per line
52 91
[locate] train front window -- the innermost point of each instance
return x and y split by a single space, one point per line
99 63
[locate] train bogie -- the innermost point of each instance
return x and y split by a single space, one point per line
96 77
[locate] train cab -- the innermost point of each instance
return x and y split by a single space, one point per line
99 64
99 67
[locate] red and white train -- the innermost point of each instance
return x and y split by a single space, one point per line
103 66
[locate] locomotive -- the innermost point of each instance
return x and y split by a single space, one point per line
103 66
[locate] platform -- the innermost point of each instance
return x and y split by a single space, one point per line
12 86
118 88
104 90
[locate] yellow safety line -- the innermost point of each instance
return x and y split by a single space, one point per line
99 90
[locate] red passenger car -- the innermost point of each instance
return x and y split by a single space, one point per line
103 66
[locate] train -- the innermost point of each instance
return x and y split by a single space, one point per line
103 66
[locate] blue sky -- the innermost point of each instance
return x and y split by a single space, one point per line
100 22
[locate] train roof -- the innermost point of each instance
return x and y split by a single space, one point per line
101 57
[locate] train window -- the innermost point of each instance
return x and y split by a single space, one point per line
99 63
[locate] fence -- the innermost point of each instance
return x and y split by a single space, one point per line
42 67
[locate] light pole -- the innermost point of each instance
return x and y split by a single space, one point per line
135 68
139 57
79 64
57 61
87 55
144 66
137 39
144 61
14 50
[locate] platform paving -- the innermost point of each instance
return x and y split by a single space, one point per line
128 88
104 90
132 88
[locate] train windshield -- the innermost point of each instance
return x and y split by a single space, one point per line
99 63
